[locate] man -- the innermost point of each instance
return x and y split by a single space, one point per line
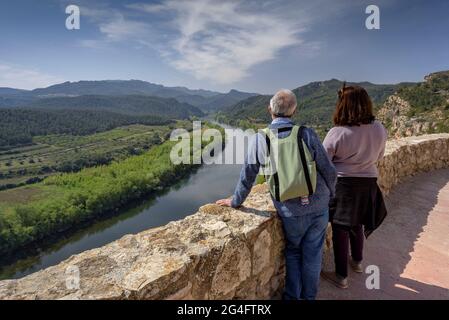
304 219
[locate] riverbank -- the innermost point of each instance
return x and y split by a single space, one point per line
64 201
151 211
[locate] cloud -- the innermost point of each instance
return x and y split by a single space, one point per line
114 26
120 29
222 40
93 44
149 8
19 77
213 40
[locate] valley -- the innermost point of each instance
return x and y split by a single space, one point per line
77 159
50 154
59 202
184 196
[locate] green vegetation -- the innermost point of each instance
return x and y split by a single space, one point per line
71 159
59 202
19 126
429 95
65 160
169 108
429 102
36 143
316 104
51 154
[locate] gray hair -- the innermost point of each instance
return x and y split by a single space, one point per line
283 103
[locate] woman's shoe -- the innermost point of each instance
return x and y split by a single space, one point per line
335 279
356 266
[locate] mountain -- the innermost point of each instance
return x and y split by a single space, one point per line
10 101
117 87
316 104
204 99
18 126
418 109
11 91
130 104
86 114
228 99
216 102
10 97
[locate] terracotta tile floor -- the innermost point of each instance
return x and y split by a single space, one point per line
411 248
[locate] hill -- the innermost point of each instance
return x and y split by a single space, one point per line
316 104
117 87
205 99
217 102
10 97
11 91
419 109
18 126
132 104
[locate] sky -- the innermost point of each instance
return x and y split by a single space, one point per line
249 45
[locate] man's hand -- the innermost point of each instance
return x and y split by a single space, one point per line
224 202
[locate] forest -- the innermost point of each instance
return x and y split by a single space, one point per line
128 104
426 96
19 126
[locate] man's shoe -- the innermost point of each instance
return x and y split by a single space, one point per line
356 266
335 279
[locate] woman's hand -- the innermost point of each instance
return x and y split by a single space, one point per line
224 202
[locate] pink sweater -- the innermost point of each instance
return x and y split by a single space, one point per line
355 150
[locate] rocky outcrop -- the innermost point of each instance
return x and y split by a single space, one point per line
216 253
394 113
417 109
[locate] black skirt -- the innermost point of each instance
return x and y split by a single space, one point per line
358 201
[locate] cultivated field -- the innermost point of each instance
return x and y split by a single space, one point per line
67 153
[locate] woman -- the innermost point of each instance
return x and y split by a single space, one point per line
354 145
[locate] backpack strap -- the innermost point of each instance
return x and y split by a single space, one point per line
264 134
304 161
275 175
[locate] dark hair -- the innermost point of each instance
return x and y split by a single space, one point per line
354 107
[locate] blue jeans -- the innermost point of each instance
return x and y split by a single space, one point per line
304 236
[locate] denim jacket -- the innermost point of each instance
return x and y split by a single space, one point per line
326 173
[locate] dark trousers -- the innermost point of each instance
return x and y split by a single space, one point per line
342 236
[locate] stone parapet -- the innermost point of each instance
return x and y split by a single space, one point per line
216 253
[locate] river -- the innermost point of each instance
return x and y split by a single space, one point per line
206 185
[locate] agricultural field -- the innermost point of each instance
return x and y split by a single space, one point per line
51 154
33 212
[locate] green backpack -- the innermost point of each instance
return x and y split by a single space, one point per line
292 173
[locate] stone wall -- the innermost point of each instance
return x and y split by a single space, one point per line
216 253
407 156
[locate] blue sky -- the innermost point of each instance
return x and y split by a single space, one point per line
250 45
